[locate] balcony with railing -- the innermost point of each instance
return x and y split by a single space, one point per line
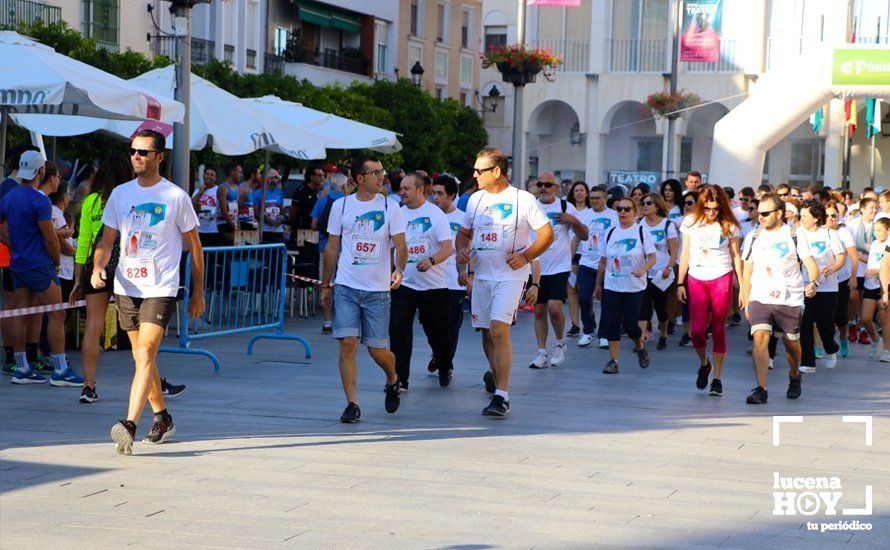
273 62
16 12
638 55
733 58
575 54
349 61
202 50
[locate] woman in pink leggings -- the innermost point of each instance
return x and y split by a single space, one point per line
710 255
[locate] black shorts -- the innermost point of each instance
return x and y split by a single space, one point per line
7 280
780 320
860 284
576 259
870 293
554 287
88 284
133 311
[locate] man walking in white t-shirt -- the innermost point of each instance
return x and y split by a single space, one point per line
556 264
602 219
424 289
497 224
153 217
773 292
360 229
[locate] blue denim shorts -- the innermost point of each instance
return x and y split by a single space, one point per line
362 313
38 279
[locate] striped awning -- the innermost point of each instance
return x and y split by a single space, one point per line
328 16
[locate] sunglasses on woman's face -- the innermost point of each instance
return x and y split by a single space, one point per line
834 216
624 209
647 203
690 203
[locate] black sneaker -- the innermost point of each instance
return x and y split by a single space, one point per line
488 380
351 414
123 433
736 320
171 390
393 397
574 332
431 366
162 429
445 377
88 395
327 328
662 343
611 367
685 341
643 357
701 381
672 328
498 407
758 396
793 387
716 388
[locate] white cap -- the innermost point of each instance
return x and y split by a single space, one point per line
29 164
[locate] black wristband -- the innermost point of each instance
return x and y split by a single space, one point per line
535 284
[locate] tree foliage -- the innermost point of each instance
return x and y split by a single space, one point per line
438 136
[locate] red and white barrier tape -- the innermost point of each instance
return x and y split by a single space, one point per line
307 279
22 311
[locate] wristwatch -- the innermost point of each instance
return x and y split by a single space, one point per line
535 284
432 260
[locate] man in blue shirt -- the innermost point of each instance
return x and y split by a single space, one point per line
273 211
26 227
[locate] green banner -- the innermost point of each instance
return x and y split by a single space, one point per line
858 66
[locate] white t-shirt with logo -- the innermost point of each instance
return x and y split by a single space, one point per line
66 267
597 225
365 229
709 252
502 224
558 257
625 254
661 234
854 227
425 227
674 214
455 221
847 241
151 222
776 278
824 245
875 256
207 222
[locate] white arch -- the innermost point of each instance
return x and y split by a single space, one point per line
495 18
778 105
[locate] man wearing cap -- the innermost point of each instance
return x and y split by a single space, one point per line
26 227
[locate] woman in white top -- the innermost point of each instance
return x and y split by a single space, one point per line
846 275
579 196
626 255
672 194
871 290
827 249
709 260
661 277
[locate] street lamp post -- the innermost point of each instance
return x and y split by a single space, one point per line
518 169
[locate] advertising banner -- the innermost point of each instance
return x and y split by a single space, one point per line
861 66
700 34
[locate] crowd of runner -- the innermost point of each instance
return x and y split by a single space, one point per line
686 260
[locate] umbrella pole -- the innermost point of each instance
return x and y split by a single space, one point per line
265 173
4 124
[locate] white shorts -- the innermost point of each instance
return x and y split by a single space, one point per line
494 301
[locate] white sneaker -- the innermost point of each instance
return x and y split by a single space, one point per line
771 364
540 361
831 360
558 355
874 348
604 344
808 370
585 340
885 357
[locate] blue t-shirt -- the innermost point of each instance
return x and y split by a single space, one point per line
316 213
8 185
274 200
463 200
22 208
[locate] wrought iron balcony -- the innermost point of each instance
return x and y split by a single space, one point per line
202 50
15 12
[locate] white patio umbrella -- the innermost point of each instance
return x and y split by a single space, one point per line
229 124
336 132
34 78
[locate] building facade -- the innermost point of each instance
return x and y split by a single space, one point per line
593 122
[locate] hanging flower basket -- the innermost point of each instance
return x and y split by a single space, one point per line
667 105
520 65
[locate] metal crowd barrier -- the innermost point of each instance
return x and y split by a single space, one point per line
244 289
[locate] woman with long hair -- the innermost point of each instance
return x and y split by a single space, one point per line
637 194
626 255
845 275
660 279
827 250
672 194
687 207
709 261
579 196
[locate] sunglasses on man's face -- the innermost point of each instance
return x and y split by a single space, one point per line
141 152
765 213
545 184
783 195
624 209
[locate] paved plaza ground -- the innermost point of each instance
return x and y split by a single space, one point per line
638 459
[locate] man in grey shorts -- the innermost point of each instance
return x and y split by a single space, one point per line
772 291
